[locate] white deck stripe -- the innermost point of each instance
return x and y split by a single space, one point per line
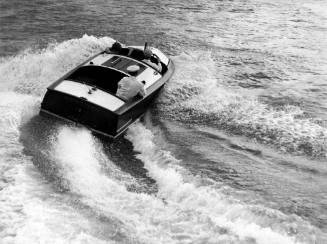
97 97
149 76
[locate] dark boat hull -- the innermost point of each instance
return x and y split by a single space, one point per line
102 121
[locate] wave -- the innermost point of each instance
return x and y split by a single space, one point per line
183 210
31 71
33 211
207 206
30 210
195 95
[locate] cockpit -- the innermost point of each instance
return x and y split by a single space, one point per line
106 74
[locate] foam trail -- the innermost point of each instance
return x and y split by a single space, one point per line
82 160
189 213
236 222
195 95
79 157
183 212
29 212
31 71
30 209
28 215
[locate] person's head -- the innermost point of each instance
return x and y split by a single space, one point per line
132 69
116 47
147 53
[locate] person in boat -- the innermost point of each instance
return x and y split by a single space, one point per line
129 86
119 49
116 47
126 51
151 60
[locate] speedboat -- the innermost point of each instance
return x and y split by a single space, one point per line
87 96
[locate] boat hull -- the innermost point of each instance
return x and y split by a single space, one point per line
102 121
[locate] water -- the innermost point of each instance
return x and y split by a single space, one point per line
233 151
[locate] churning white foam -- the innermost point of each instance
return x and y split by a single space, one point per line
229 219
183 211
30 211
31 71
195 94
82 161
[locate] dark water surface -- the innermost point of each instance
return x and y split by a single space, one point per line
233 151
